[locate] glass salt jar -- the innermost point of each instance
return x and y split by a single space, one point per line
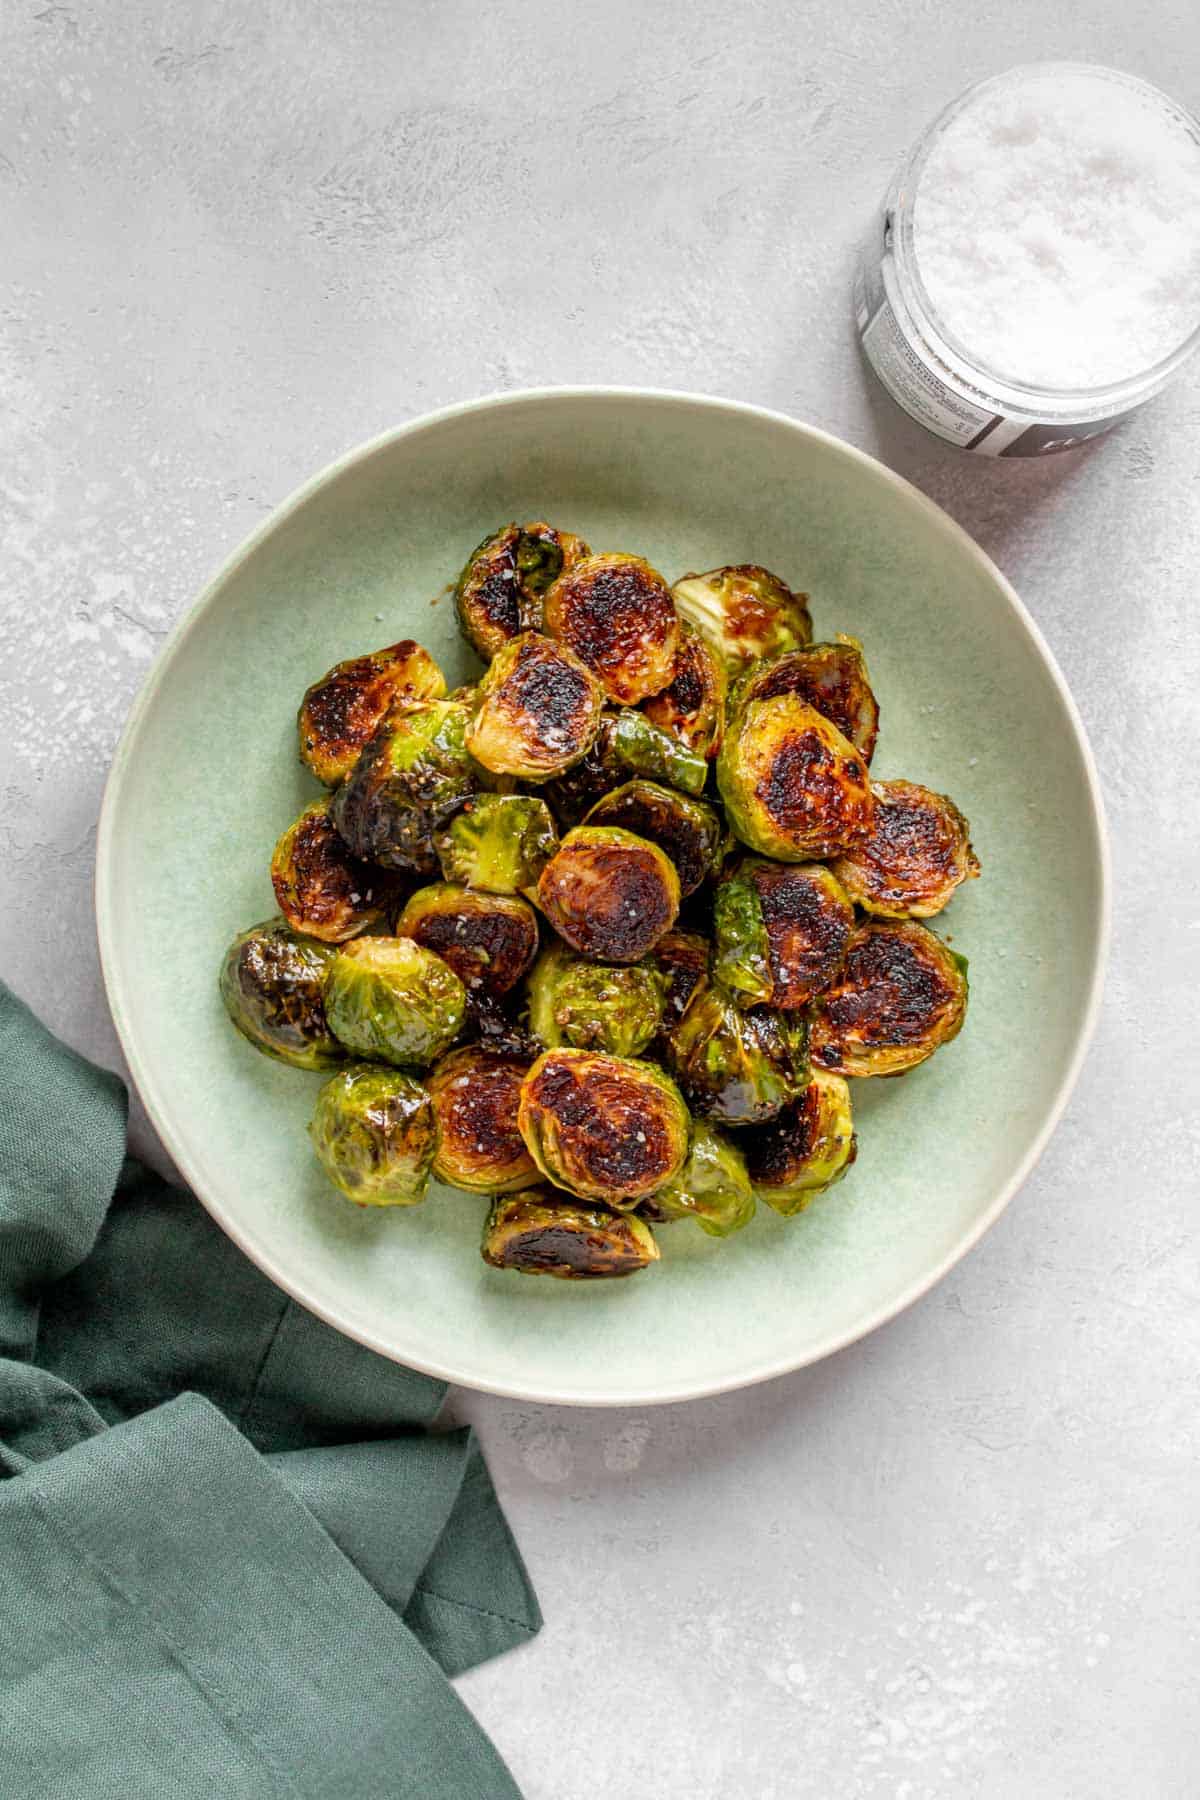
1035 274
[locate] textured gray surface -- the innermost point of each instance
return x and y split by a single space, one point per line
961 1558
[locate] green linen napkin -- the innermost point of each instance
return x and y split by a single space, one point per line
233 1559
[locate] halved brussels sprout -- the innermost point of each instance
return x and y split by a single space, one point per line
627 743
388 997
412 777
609 894
692 708
617 1007
341 713
539 710
374 1134
831 677
736 1066
805 1148
918 852
499 593
475 1095
603 1127
489 940
900 994
322 888
683 958
781 931
689 831
271 985
547 1233
712 1187
498 842
793 787
617 614
745 612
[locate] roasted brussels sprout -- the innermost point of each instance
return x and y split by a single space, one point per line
539 710
489 940
793 787
323 889
682 957
918 852
499 593
603 1127
499 843
900 994
736 1066
692 708
547 1233
390 998
271 982
781 931
689 831
611 895
831 677
412 777
374 1133
805 1148
342 711
627 744
617 614
617 1007
745 612
712 1187
475 1095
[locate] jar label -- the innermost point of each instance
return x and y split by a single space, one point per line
914 386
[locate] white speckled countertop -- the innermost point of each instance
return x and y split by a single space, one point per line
959 1560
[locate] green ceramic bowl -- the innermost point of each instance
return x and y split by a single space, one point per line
207 776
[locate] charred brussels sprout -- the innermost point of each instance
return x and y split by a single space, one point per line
616 613
342 711
712 1187
737 1067
499 843
627 743
917 853
805 1148
475 1094
374 1134
831 677
271 982
617 1007
781 931
692 708
322 888
682 956
793 787
609 894
499 593
688 831
547 1233
900 994
390 998
538 712
412 777
489 940
603 1127
745 612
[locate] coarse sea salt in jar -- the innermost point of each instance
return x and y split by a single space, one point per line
1036 273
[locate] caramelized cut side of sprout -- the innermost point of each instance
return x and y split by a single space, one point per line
918 852
805 1148
793 788
603 1127
323 890
609 894
781 931
688 831
692 707
341 713
374 1134
901 993
489 940
390 999
271 983
744 612
499 593
548 1233
831 677
616 613
475 1095
538 712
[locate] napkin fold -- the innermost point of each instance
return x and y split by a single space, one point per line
234 1560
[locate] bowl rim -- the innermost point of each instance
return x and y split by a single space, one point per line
147 1083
